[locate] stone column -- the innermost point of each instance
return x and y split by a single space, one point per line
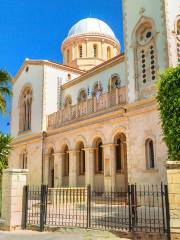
13 182
109 167
72 168
58 160
89 164
173 177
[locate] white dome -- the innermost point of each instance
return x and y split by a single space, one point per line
91 26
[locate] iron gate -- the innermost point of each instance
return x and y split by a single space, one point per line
143 208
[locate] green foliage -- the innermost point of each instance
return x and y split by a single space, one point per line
169 103
5 79
5 147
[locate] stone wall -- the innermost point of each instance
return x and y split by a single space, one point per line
173 174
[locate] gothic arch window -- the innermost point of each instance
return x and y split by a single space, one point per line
145 54
178 39
81 158
95 50
150 156
67 101
120 152
80 51
24 160
99 163
25 110
108 53
66 161
82 95
115 82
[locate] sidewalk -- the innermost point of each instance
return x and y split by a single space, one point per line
67 234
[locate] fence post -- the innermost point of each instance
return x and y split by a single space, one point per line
129 204
133 206
167 211
25 205
43 206
88 206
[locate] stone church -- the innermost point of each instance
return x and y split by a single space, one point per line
94 119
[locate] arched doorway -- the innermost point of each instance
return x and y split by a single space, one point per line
51 169
98 164
65 166
121 179
80 164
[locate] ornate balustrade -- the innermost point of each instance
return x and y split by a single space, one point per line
106 102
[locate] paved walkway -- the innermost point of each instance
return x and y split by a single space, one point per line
67 234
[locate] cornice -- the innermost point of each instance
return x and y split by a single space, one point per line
90 37
47 63
99 68
27 139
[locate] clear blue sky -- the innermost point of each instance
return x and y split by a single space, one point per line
35 29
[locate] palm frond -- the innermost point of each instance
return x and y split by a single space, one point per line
2 104
5 90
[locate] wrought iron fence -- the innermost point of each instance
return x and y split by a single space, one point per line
143 208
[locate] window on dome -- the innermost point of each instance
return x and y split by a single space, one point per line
95 48
68 56
80 51
108 53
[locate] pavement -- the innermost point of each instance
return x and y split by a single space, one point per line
67 234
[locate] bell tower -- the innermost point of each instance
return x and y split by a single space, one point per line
151 30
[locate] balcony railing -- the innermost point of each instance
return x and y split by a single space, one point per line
107 102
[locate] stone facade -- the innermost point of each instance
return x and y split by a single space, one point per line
116 118
12 198
173 175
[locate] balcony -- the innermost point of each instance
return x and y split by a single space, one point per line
94 106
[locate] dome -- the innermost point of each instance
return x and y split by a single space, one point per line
91 26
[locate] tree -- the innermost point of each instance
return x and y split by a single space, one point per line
168 98
5 148
5 91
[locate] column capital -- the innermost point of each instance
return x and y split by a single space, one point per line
109 145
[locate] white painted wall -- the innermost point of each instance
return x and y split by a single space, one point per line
34 77
103 77
51 86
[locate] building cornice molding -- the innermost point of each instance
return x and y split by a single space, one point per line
101 67
46 63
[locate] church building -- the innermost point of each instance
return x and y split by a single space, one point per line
94 119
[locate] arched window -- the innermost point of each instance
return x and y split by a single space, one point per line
68 56
99 163
95 49
108 53
66 162
178 39
114 82
82 95
150 158
25 110
24 160
51 169
121 152
80 51
67 101
81 153
145 55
